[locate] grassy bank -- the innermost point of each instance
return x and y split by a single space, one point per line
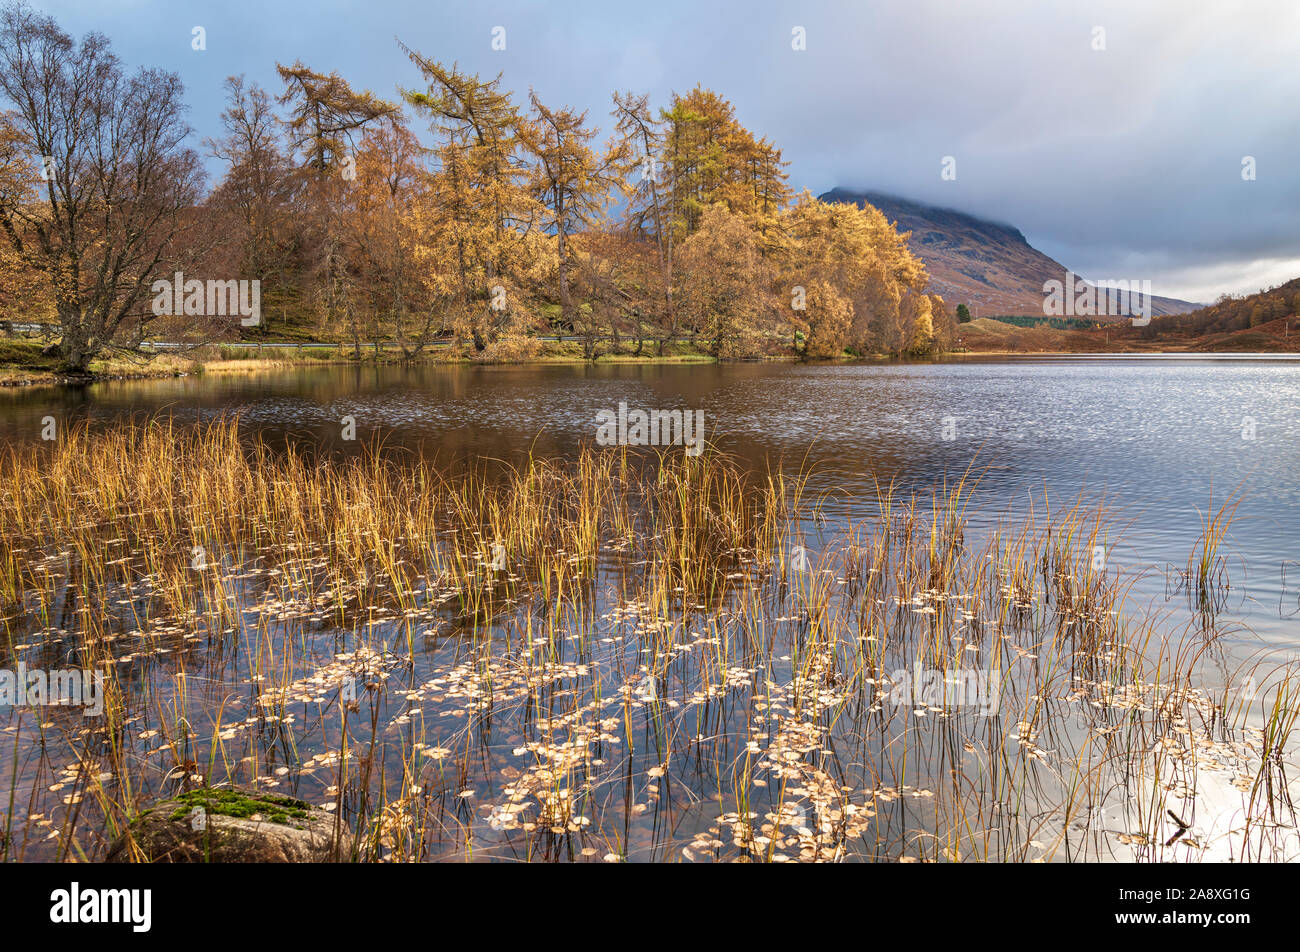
22 363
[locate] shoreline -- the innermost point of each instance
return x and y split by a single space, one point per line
166 366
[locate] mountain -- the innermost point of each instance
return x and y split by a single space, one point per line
984 264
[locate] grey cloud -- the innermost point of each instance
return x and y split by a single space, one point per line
1111 160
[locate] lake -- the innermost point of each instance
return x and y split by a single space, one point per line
1158 442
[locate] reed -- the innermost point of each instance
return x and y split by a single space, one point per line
615 658
1206 568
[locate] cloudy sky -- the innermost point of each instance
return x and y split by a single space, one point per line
1124 161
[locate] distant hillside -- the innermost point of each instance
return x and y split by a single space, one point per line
984 264
985 336
1230 314
1255 323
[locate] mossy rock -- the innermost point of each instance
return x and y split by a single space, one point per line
226 825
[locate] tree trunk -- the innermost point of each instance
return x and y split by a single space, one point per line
565 315
72 348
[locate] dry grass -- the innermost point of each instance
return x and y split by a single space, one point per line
618 657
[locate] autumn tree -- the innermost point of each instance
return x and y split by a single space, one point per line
24 296
829 319
384 230
943 323
598 278
571 180
488 212
325 116
257 195
613 265
648 212
858 253
718 281
711 158
698 134
918 315
117 178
